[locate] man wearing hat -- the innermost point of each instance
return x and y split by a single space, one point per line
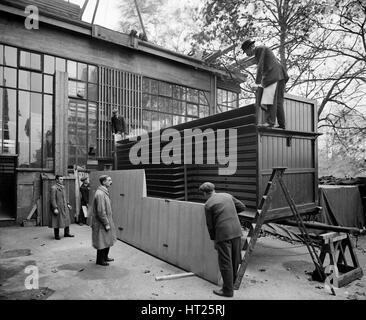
84 200
272 76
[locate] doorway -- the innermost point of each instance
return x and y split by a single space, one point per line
7 188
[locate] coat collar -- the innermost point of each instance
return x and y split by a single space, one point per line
104 189
59 186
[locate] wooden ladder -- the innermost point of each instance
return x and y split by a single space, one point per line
255 227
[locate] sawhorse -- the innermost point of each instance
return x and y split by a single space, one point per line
339 272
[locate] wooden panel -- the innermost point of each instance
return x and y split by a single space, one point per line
61 107
173 231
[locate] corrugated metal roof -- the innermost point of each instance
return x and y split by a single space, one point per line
50 7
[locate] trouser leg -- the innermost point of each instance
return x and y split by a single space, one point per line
100 256
106 252
225 264
279 100
271 114
67 230
235 256
56 232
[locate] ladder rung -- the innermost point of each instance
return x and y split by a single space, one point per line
270 182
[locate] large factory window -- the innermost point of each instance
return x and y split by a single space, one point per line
165 104
82 112
26 98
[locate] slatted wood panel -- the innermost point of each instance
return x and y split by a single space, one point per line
173 231
182 181
299 114
118 90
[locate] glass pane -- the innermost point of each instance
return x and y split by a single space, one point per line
23 128
146 120
60 64
36 82
145 85
24 80
35 61
220 96
204 111
36 130
82 72
48 145
93 74
154 103
77 89
72 69
93 92
146 101
2 82
10 57
177 92
192 95
155 124
48 84
49 64
7 120
25 59
192 109
1 54
10 77
165 89
154 86
204 98
92 130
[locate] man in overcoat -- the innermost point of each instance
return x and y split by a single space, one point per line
272 76
118 122
60 217
103 229
221 210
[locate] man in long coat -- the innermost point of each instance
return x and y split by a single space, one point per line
272 76
221 210
103 229
60 217
84 199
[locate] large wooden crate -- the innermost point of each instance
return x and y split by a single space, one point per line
259 149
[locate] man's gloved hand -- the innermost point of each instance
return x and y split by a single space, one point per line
107 227
55 211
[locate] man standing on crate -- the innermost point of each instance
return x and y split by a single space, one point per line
272 77
103 229
221 210
60 217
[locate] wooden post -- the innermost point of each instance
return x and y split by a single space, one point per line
61 137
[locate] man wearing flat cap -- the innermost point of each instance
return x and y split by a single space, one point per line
221 210
272 76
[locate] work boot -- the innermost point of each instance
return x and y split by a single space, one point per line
221 293
100 258
56 231
67 233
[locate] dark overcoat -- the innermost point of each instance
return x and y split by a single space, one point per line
222 220
101 217
58 201
269 69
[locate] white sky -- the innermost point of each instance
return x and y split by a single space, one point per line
109 14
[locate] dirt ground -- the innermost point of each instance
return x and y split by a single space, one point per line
277 270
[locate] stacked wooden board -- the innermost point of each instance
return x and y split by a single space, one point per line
259 149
